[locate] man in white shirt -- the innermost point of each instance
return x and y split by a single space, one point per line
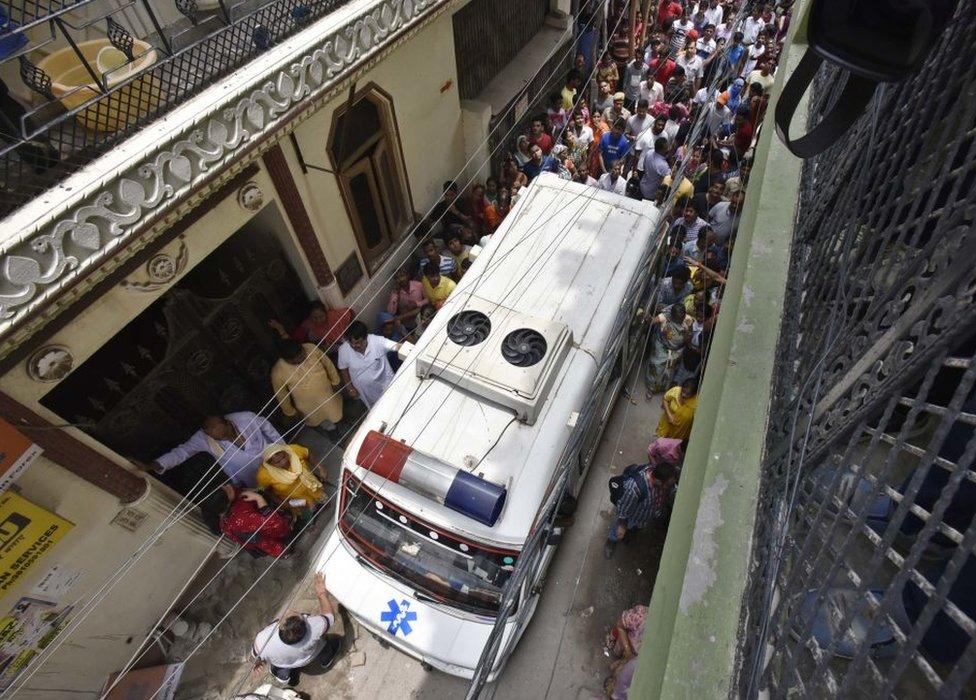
236 441
633 77
645 142
692 63
363 364
754 54
651 90
639 122
613 181
672 125
706 46
582 176
752 25
299 641
761 75
723 32
713 14
583 133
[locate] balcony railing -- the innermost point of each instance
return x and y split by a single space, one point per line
93 78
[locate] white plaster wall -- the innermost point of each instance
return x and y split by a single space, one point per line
95 545
104 642
431 137
430 129
477 123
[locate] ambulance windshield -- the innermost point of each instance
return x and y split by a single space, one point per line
447 569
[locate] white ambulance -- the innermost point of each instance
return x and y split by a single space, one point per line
443 483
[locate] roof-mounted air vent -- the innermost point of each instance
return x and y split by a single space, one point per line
496 352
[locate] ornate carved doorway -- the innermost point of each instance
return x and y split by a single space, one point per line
203 348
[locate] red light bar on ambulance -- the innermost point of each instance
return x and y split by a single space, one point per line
428 476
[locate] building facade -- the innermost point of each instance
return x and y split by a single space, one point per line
139 271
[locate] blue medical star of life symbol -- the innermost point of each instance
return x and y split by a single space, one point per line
399 616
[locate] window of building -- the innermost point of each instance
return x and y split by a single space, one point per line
372 178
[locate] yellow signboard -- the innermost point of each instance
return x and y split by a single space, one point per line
27 532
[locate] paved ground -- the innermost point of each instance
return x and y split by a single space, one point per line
561 653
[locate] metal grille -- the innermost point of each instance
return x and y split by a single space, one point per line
487 36
27 13
865 579
41 147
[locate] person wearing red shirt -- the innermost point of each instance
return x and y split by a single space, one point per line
539 137
661 67
324 327
742 137
245 517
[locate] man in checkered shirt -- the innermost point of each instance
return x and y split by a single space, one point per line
639 506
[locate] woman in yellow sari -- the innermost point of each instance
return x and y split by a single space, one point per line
285 473
679 404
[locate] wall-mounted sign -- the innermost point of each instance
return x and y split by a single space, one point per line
349 273
16 454
57 583
129 518
25 631
27 532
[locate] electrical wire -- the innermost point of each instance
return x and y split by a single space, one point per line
168 522
385 481
479 171
348 432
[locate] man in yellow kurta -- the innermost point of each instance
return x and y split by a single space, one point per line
306 383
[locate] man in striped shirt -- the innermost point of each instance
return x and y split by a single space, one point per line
644 498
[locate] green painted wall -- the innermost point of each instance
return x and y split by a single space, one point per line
692 634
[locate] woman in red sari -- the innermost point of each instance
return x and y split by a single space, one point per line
244 517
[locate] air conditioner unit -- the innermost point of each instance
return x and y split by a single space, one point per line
498 353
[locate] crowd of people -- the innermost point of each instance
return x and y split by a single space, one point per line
674 121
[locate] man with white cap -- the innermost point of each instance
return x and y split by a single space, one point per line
617 110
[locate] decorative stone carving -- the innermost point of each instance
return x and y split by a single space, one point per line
250 196
50 364
160 270
38 265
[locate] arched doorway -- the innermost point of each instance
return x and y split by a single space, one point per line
364 146
202 348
